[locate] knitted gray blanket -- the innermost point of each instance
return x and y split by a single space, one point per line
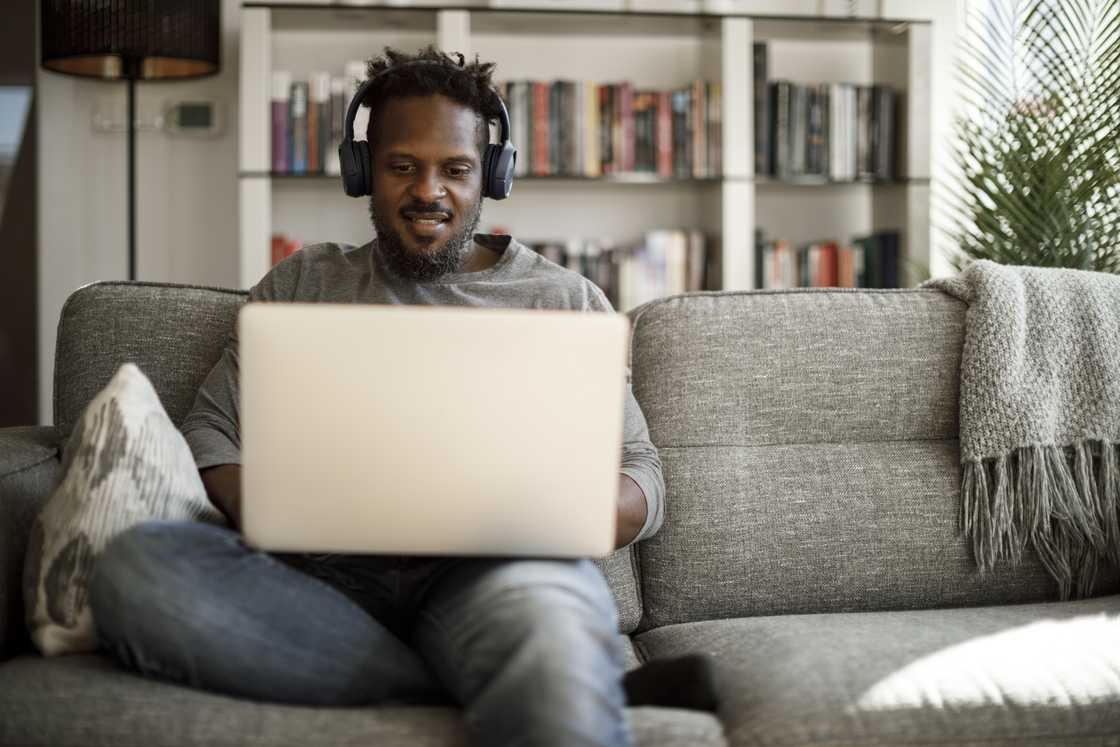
1040 417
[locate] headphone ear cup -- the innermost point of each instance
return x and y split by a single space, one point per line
500 160
488 158
350 164
361 149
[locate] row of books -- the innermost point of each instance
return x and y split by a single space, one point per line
583 128
867 262
308 116
663 263
837 131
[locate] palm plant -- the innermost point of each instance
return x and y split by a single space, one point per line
1038 142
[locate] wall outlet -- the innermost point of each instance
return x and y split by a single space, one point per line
110 114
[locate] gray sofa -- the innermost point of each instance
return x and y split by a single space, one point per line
809 443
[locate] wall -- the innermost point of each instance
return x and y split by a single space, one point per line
186 192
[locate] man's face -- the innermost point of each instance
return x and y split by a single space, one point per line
427 185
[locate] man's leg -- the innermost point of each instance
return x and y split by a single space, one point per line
191 602
530 649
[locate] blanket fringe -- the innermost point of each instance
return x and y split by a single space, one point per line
1063 501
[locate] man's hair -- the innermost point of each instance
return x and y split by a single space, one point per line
466 84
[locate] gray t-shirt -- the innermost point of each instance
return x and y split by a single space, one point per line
340 273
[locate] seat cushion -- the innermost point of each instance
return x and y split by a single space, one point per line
86 700
1012 675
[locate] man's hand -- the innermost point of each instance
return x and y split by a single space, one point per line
223 486
631 511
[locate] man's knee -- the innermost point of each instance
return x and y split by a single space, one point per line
562 605
144 564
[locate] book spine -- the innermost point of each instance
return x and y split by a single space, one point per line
799 120
318 121
555 130
606 136
337 118
782 147
573 119
699 123
864 154
299 126
281 128
682 166
664 134
761 98
540 129
592 136
715 129
627 119
523 102
883 131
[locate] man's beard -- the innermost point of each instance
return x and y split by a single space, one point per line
423 265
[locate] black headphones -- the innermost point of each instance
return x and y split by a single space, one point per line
354 156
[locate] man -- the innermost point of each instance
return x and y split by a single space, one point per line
529 648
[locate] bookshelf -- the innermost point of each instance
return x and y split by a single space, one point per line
652 49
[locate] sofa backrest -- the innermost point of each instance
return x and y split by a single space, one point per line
175 334
809 445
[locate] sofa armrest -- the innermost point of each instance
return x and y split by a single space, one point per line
29 467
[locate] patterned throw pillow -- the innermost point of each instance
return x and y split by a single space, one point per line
125 463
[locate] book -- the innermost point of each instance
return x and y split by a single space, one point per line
541 135
284 247
318 121
883 132
281 126
298 119
761 114
337 118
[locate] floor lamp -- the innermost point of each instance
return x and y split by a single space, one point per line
131 40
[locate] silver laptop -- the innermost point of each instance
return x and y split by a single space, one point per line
430 430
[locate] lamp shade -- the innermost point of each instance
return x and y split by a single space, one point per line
138 39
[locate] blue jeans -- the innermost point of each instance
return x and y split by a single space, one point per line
528 648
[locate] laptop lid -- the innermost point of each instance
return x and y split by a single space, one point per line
430 429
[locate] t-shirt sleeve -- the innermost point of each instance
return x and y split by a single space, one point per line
212 428
640 461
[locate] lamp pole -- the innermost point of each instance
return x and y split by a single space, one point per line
131 71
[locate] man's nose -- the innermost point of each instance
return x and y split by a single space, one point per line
427 186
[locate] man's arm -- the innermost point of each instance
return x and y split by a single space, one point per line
223 486
631 511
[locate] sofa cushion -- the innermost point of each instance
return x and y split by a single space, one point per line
125 463
1012 675
86 701
175 334
808 443
29 467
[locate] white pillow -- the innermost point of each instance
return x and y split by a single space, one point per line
125 463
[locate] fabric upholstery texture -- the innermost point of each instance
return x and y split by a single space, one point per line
175 334
124 463
86 701
1041 674
808 443
29 467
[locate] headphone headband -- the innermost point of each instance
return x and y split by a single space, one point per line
354 155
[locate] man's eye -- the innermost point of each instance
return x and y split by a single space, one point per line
459 171
401 168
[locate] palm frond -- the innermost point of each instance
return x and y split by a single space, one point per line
1038 141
